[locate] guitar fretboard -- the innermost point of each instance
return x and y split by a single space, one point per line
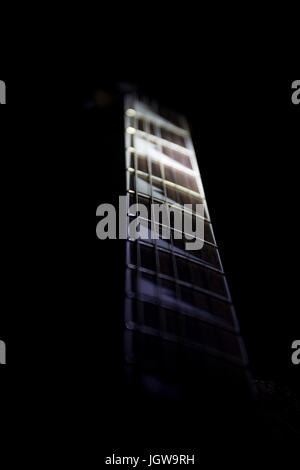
173 295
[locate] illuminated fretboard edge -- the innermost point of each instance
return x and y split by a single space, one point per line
164 142
158 121
163 159
168 183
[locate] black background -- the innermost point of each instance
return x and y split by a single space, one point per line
245 132
246 135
